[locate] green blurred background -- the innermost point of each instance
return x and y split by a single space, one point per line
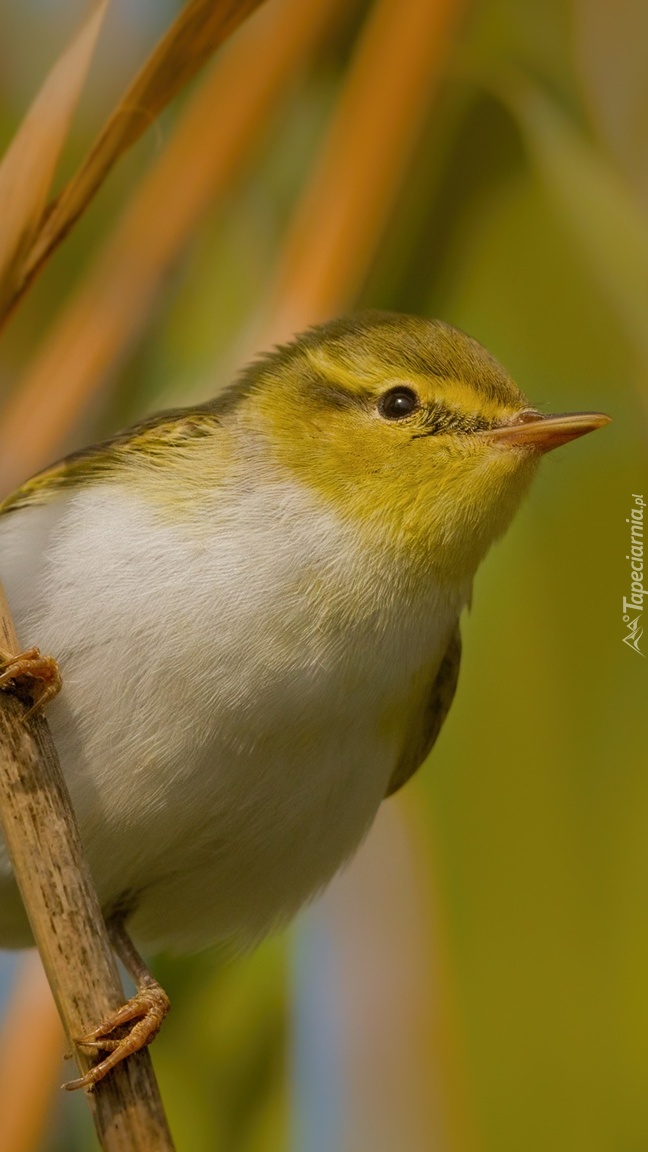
524 220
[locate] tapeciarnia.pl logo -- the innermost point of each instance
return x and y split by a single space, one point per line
634 603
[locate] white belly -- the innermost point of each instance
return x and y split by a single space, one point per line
221 726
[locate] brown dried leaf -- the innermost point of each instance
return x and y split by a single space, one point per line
28 167
193 36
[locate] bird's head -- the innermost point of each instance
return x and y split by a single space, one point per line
409 428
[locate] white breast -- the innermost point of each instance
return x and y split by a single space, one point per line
225 686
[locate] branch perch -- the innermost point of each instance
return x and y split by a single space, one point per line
56 887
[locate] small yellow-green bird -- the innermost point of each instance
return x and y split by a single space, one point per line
254 604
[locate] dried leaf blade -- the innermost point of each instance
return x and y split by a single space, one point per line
198 30
28 167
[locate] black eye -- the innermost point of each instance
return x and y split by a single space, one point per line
398 403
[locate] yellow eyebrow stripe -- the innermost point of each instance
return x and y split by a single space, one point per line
451 392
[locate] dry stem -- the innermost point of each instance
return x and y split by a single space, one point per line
56 887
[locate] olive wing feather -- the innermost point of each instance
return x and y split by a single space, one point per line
430 721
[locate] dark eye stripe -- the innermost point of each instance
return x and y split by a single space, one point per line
440 419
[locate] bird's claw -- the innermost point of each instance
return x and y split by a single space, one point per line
145 1011
26 671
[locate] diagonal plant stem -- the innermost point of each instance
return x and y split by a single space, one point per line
192 38
29 164
54 879
114 300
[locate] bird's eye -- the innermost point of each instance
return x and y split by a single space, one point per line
398 403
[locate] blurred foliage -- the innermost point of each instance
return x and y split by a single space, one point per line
524 221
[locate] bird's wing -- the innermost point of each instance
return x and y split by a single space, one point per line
430 720
42 487
147 444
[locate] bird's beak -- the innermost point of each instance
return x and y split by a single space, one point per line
531 429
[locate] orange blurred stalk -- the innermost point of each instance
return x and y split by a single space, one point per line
212 140
364 162
29 1070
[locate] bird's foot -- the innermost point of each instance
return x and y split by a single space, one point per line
28 670
145 1012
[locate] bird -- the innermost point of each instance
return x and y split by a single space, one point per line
253 611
